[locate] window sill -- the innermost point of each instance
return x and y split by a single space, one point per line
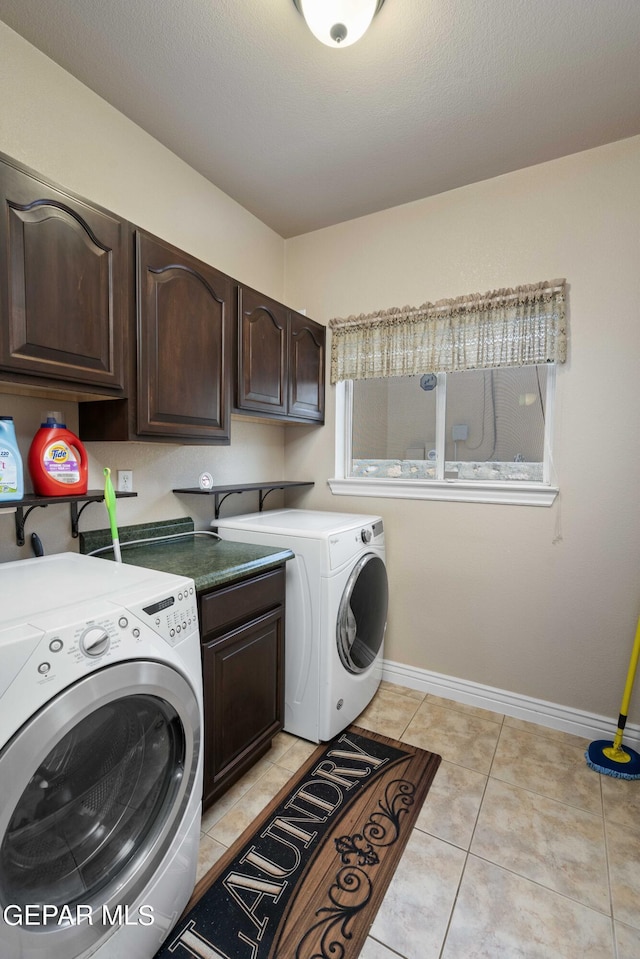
456 491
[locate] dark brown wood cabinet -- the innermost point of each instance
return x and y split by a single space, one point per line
280 360
93 308
63 288
262 353
184 343
306 368
242 629
181 383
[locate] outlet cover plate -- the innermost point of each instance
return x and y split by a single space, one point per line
125 481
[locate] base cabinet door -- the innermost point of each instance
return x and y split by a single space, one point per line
241 672
243 676
63 287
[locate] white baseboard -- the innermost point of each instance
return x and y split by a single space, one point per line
587 725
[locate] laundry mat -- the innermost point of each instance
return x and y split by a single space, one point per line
306 881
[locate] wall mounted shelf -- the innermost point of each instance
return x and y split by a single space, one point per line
221 492
30 501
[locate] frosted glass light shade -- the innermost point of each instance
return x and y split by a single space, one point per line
338 23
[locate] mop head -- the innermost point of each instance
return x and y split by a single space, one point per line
620 768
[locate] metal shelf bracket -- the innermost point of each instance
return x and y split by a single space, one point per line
21 519
220 493
31 502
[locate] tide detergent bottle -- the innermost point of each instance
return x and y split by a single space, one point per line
58 462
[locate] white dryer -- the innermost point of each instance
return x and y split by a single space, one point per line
336 611
100 757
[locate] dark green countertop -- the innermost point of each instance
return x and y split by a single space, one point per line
210 562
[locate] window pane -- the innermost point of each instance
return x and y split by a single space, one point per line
495 424
393 428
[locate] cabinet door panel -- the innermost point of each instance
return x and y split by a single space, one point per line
262 349
183 342
64 264
243 678
306 368
224 608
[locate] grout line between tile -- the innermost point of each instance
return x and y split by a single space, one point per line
464 867
385 946
541 885
552 799
606 856
453 906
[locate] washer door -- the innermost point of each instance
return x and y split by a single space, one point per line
94 788
362 615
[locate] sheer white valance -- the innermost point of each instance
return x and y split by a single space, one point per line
511 327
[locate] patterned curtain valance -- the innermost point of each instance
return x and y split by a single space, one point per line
510 327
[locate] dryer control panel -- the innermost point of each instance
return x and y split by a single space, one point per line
346 544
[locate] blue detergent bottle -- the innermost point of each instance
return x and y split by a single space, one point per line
11 472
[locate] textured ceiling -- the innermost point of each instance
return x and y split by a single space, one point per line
438 94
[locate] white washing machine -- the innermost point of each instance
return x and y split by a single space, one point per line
100 757
336 611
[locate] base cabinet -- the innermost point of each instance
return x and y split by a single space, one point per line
243 674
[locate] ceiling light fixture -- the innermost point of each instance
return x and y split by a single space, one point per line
338 23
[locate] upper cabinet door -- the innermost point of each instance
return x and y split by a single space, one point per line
63 280
306 368
262 353
184 319
280 360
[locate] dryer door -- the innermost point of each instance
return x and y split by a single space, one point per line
362 615
94 787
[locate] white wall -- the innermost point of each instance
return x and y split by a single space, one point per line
58 127
539 601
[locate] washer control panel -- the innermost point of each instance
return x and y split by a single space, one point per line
113 631
76 615
174 614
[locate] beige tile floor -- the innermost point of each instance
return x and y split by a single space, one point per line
520 851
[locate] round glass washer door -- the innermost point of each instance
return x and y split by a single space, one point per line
95 785
362 614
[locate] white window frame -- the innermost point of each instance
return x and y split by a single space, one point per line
453 490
